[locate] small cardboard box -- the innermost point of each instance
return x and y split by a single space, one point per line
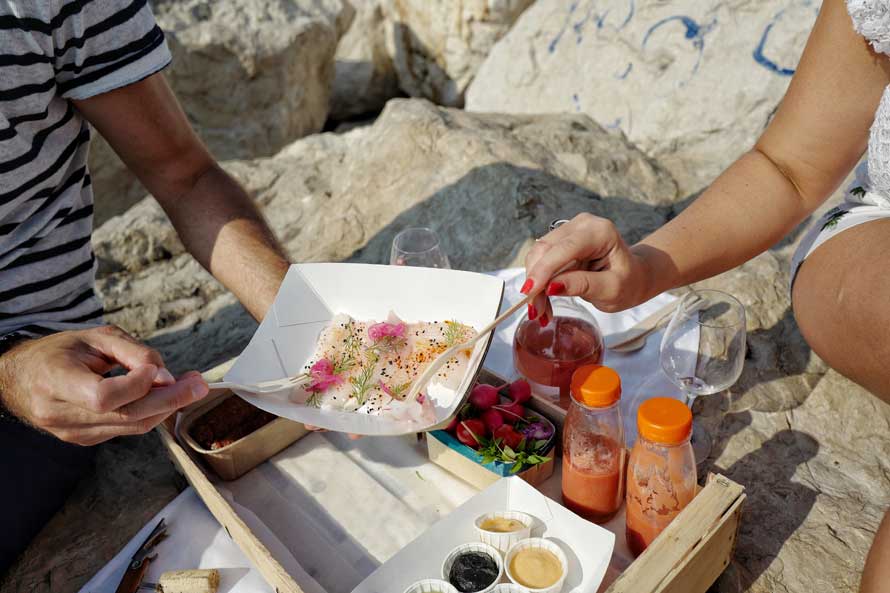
236 459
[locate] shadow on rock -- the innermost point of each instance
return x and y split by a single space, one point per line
775 507
485 217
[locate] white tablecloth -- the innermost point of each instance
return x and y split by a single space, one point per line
331 510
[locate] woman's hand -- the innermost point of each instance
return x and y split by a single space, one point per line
56 383
608 274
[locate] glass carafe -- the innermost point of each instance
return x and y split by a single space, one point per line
548 355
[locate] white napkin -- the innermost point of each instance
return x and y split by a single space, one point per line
311 495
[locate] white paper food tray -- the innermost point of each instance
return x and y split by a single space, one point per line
588 547
312 294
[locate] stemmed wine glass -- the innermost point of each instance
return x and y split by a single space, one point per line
418 247
703 351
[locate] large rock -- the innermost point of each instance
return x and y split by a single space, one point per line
487 183
816 480
692 83
437 46
251 76
364 75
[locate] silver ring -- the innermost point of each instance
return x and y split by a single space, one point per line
557 223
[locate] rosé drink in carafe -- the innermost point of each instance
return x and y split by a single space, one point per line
547 356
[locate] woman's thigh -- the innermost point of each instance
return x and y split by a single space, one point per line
841 302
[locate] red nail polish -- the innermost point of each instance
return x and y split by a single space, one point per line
555 288
543 320
529 283
532 312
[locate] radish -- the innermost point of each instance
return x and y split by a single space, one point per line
484 397
512 412
520 391
493 419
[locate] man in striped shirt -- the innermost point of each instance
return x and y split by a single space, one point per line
66 64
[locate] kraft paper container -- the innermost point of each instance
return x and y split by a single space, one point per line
504 541
474 547
539 543
238 458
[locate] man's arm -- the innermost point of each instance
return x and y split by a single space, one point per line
217 221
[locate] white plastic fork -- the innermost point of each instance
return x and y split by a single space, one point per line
265 386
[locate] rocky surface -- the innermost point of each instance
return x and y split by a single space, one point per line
251 76
810 447
437 46
334 197
364 75
692 83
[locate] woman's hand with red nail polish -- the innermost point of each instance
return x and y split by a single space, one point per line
609 275
555 288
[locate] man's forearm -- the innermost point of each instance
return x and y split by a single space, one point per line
749 208
222 228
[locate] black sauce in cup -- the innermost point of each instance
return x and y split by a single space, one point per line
473 571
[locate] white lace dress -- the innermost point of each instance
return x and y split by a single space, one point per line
868 197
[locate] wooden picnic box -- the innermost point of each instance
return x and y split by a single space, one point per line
686 558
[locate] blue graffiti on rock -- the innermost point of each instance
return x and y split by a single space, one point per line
694 32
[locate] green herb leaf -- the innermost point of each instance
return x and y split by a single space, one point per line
454 333
361 384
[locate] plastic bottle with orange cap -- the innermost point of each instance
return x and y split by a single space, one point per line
661 473
594 452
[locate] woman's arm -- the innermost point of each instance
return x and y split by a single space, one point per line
816 137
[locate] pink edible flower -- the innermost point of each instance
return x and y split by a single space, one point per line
421 398
385 388
323 377
381 330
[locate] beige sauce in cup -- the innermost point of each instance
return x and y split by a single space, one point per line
501 525
535 568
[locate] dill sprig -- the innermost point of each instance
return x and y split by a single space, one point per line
398 391
361 383
314 400
453 333
347 359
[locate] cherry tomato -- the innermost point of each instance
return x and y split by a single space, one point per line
509 437
468 431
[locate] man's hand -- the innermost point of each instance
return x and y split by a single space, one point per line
56 384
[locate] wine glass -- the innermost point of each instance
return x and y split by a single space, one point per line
418 247
703 351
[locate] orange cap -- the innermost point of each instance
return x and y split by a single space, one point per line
596 386
664 420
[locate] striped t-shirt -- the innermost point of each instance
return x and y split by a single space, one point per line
52 52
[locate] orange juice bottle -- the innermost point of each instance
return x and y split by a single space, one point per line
593 454
661 473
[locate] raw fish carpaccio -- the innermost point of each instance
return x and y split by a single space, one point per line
367 367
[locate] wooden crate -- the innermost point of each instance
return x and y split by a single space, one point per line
686 558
